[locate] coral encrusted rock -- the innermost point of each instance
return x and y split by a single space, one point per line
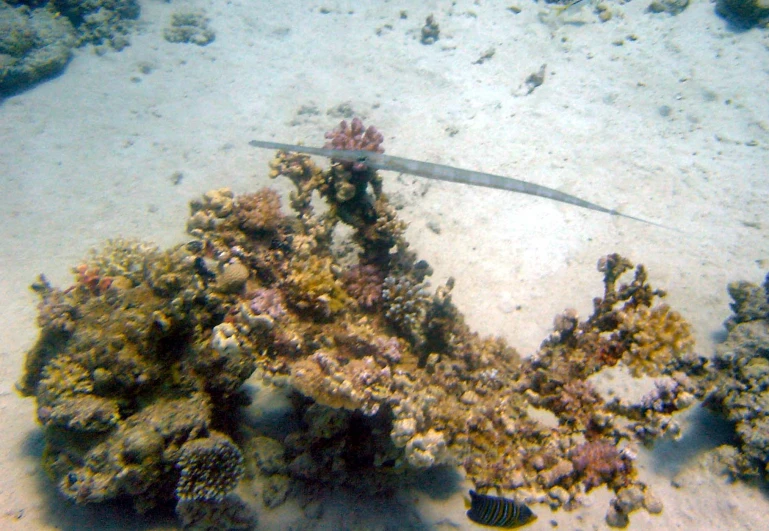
34 45
139 369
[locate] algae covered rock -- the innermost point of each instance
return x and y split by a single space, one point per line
34 45
101 22
740 379
189 27
744 12
673 7
37 37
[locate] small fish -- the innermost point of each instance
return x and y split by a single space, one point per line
498 512
380 161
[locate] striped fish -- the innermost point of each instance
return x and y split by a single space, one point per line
498 512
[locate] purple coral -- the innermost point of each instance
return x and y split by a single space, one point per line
389 348
598 461
577 402
364 283
267 301
355 136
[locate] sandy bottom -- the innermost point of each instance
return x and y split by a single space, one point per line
664 118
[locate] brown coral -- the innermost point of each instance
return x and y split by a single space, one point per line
210 468
233 277
577 403
259 212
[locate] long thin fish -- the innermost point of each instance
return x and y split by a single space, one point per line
380 161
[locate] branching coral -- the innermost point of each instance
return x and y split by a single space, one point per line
355 136
406 302
624 326
656 338
576 405
653 416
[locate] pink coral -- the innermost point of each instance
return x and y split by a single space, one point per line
364 283
598 461
91 279
267 301
355 136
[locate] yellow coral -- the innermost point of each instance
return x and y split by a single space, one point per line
314 287
63 378
658 336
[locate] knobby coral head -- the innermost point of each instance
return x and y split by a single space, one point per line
598 461
355 136
364 282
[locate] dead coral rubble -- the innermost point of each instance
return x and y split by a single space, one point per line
385 377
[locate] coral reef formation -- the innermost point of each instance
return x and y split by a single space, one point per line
34 45
138 368
231 514
739 386
37 36
127 374
210 468
100 22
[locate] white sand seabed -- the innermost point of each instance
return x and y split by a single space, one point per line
672 126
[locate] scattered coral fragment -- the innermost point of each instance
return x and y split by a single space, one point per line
190 27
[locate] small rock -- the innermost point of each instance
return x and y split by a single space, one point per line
652 503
